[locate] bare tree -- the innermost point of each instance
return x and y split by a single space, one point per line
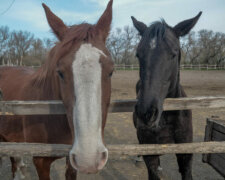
129 45
122 44
212 45
21 41
4 38
205 47
190 48
21 48
115 44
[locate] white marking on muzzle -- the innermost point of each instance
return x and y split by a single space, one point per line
87 111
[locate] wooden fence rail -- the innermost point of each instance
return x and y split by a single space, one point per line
61 150
56 107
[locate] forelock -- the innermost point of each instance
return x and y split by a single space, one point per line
155 33
157 29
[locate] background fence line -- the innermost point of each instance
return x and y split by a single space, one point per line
182 66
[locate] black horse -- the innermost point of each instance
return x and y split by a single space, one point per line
159 57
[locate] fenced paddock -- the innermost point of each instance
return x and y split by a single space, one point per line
196 83
120 130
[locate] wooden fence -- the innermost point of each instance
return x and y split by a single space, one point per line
117 106
61 150
182 66
56 107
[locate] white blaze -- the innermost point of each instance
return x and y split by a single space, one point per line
87 111
153 43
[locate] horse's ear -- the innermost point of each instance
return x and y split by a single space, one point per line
104 23
184 27
140 26
56 24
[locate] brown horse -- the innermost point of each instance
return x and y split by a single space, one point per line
78 72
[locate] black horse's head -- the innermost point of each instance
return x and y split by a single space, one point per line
159 56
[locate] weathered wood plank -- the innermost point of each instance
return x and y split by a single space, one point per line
217 163
215 132
218 136
208 137
186 148
58 150
219 125
56 107
173 104
221 155
194 103
31 107
122 106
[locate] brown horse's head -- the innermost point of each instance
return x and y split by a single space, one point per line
83 70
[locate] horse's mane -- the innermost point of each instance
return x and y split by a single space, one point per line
75 34
157 29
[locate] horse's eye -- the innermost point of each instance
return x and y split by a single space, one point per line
174 53
110 74
173 56
60 74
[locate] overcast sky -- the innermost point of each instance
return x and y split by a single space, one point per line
29 14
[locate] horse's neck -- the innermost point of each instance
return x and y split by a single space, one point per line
45 85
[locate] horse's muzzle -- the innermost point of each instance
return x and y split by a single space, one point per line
89 163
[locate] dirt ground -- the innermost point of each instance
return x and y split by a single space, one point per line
120 130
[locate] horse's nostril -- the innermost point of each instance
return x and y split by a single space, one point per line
147 114
150 116
153 111
140 111
73 161
103 157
